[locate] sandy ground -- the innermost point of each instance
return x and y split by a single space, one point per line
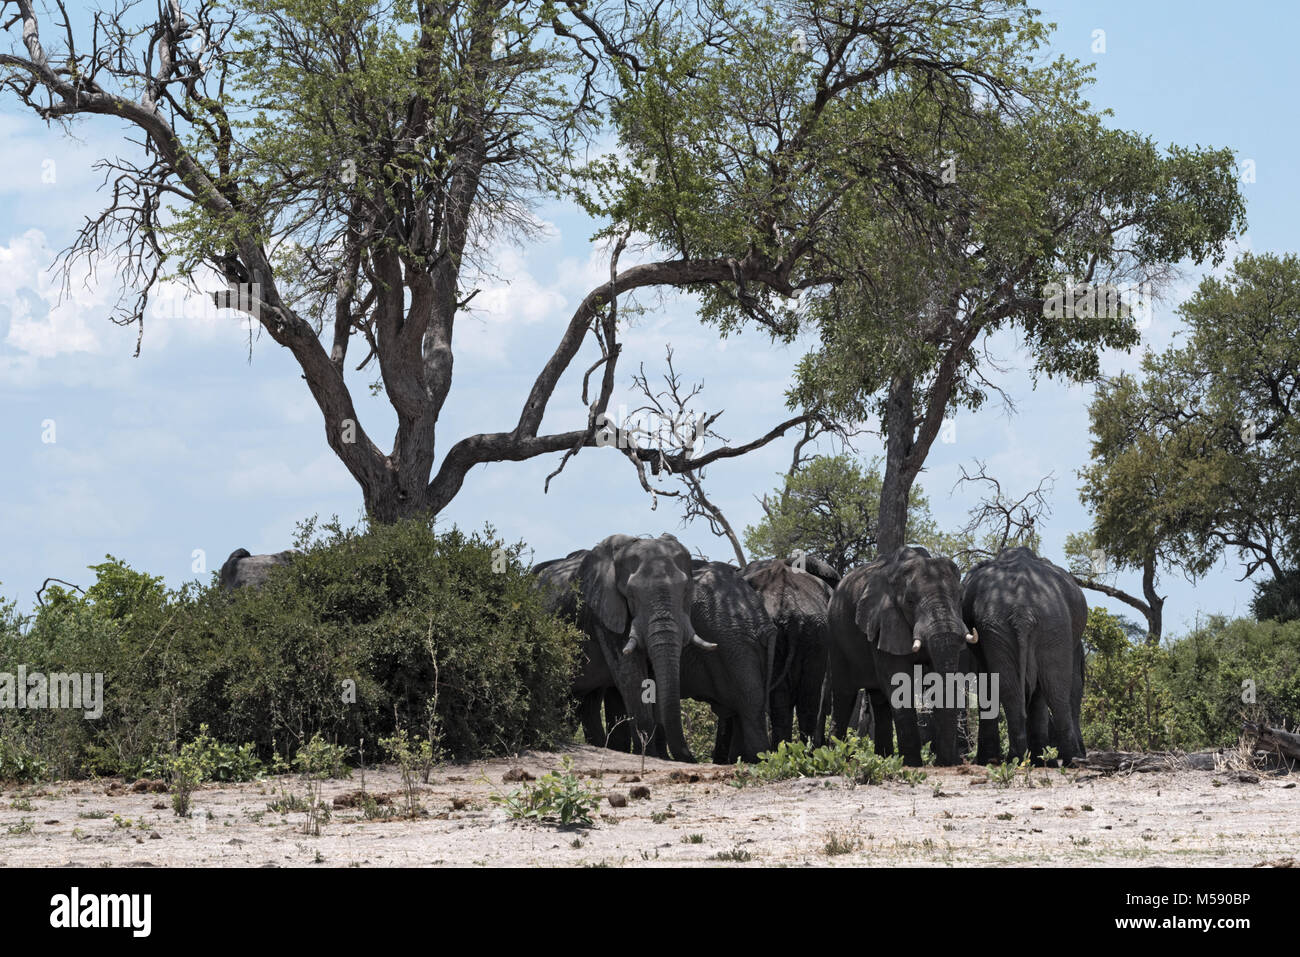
692 816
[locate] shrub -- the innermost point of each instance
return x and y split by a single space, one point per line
1277 599
413 759
442 633
554 798
1125 703
367 632
700 726
1212 672
851 757
1193 692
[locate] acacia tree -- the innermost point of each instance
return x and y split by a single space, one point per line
1005 212
1195 457
345 162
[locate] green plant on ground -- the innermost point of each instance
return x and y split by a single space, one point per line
413 758
317 762
738 854
850 757
185 774
840 843
1011 771
554 798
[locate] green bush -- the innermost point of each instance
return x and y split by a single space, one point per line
369 631
1190 693
1125 701
555 799
1212 672
1277 599
850 757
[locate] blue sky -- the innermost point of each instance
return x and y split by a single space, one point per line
193 446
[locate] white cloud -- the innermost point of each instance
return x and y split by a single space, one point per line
47 318
44 319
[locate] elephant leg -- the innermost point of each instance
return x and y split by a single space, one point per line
1058 696
843 700
883 722
1039 722
990 741
618 722
817 707
1017 728
1076 706
782 713
945 743
909 736
589 712
722 740
859 714
750 739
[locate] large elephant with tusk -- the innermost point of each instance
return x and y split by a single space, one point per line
1032 615
890 620
632 599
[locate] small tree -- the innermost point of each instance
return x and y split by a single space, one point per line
828 507
1196 455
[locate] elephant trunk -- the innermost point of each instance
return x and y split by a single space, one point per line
945 656
665 653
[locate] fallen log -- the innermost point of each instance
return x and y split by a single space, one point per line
1273 739
1113 761
1141 761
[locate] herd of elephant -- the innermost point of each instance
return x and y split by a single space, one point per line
776 647
780 643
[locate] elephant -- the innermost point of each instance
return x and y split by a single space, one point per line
888 617
635 609
1030 615
797 601
737 679
593 686
243 570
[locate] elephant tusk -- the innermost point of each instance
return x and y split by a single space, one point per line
630 646
973 636
700 643
916 646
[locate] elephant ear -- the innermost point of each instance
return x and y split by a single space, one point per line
600 585
880 618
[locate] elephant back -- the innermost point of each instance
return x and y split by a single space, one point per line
244 570
788 594
556 578
725 608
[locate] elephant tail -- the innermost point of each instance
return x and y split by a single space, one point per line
791 646
775 634
1023 623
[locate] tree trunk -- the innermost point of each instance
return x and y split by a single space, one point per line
1155 603
900 472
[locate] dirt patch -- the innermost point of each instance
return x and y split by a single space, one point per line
692 816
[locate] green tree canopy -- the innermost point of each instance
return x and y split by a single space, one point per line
345 164
828 508
1195 457
1040 220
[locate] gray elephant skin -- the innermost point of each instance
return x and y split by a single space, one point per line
728 670
1030 615
737 679
886 617
244 570
797 600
